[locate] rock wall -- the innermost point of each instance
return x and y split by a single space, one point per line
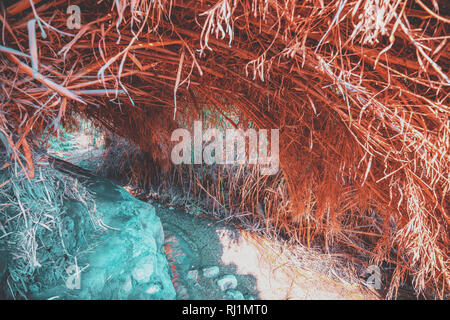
129 262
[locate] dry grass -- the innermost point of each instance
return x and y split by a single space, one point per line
36 226
359 90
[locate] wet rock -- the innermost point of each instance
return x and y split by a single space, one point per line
234 295
211 272
227 282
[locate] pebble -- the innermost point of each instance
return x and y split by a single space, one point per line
153 289
192 275
227 282
143 269
234 295
211 272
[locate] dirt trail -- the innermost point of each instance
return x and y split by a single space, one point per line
195 243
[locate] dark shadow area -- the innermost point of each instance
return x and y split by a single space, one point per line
198 246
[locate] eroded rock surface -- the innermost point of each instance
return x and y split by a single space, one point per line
124 261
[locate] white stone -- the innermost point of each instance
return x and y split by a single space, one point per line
143 269
234 295
153 289
227 282
211 272
192 275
